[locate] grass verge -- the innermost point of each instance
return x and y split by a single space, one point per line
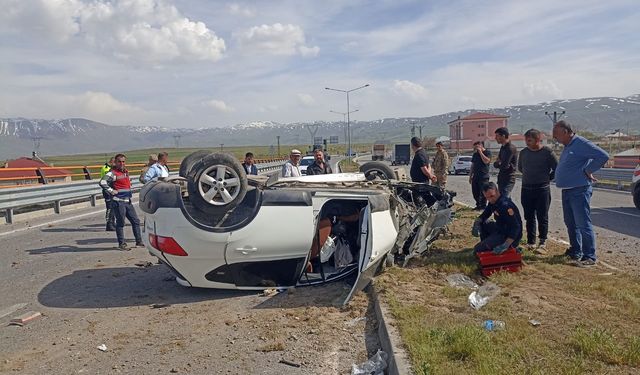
590 317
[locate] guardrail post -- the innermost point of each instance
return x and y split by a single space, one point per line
619 185
9 215
41 177
93 201
87 174
56 207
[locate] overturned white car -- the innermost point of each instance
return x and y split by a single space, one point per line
217 228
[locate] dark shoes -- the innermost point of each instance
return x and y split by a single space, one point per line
124 247
110 228
586 263
140 244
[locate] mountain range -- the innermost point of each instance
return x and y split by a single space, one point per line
20 136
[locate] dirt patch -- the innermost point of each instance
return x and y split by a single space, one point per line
590 317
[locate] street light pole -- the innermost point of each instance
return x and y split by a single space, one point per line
348 113
344 119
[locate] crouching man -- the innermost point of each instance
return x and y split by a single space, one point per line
505 231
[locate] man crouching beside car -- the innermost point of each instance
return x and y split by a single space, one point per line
506 231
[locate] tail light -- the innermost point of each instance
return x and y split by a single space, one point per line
167 245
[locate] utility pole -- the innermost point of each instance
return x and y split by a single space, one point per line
278 139
554 120
221 147
176 139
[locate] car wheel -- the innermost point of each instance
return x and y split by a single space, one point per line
217 183
377 169
190 160
636 197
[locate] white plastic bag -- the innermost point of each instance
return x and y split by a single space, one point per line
374 365
343 256
327 250
483 295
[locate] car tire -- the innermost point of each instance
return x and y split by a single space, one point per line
377 169
224 174
636 196
190 160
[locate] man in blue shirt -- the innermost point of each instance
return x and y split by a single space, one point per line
574 175
158 170
249 164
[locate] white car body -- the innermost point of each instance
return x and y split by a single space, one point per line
460 164
266 240
305 162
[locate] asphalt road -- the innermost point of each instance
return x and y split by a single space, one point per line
67 267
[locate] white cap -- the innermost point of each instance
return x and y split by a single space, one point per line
296 152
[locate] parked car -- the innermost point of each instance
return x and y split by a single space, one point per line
305 162
460 164
635 187
216 227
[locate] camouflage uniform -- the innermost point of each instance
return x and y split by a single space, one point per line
440 166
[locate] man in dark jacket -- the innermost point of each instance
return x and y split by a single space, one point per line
479 173
420 169
249 164
506 230
319 165
506 162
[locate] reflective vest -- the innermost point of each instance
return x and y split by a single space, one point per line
122 183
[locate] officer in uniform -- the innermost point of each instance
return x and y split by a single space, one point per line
506 230
110 214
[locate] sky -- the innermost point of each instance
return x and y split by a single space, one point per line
205 63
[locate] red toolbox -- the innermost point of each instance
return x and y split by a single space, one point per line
510 260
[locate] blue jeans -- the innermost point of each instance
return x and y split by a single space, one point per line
577 217
122 210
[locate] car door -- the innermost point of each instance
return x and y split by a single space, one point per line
377 237
273 250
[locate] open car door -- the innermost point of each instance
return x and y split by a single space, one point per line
377 238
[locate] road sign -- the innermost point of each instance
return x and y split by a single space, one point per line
317 140
333 139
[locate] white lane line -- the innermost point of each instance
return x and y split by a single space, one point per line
11 309
54 222
617 212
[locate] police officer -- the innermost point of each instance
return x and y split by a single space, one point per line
506 230
109 215
117 183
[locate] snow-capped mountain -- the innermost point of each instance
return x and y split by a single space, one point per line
18 136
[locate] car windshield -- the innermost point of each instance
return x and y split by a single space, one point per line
465 158
306 161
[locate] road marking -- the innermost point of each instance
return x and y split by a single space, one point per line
54 222
618 212
11 309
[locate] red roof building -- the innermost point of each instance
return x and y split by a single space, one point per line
27 177
479 126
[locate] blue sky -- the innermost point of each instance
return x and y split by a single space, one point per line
199 63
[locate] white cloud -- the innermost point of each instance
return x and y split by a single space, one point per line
276 39
147 31
412 91
219 105
239 10
268 108
306 100
541 89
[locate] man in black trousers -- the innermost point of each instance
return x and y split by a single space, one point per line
506 162
479 174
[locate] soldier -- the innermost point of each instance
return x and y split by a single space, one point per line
117 183
440 165
505 231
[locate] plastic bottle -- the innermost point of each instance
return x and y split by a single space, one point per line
494 325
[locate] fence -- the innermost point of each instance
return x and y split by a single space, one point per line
45 194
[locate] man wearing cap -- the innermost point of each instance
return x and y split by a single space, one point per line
440 165
292 167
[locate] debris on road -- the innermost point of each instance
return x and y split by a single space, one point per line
374 365
145 264
102 348
290 363
354 321
459 280
25 318
534 322
483 295
160 305
270 292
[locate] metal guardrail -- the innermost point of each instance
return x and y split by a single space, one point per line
619 175
13 198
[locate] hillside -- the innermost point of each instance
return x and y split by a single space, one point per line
19 136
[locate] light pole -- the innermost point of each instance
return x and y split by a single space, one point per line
344 119
348 119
